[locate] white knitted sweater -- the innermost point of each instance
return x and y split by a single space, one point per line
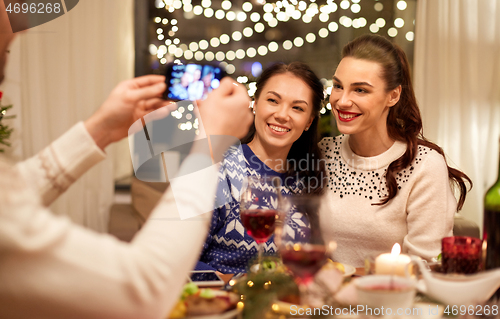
417 218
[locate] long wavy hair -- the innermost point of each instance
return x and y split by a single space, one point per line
404 122
305 148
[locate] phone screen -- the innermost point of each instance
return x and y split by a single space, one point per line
191 81
204 276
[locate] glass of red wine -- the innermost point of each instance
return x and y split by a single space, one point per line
303 251
259 204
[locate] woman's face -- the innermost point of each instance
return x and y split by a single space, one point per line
359 98
282 111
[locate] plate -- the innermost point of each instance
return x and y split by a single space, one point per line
348 270
231 314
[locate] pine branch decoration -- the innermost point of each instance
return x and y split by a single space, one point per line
5 130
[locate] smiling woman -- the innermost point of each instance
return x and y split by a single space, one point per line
388 184
282 142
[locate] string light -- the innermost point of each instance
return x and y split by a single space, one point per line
241 16
237 36
247 7
287 45
203 44
209 12
399 23
310 37
333 26
298 42
273 23
230 69
226 5
323 32
392 32
355 8
214 42
273 46
251 52
262 50
280 11
410 36
230 16
259 27
374 28
306 18
219 56
224 39
267 16
380 22
240 54
153 49
188 54
230 55
197 10
247 32
193 46
209 56
402 5
255 17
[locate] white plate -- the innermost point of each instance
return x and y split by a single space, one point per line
231 314
348 270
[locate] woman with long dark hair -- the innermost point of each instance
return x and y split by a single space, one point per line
388 184
283 142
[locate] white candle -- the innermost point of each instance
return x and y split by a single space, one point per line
393 263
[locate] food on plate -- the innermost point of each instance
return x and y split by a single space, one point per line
198 302
334 265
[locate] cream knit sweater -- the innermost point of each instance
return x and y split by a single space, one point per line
51 268
417 218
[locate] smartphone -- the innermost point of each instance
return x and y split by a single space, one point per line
191 81
206 278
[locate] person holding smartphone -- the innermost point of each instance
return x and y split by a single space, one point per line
52 268
284 133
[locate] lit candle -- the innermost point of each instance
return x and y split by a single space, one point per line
393 263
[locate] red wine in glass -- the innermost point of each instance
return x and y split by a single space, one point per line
259 223
304 260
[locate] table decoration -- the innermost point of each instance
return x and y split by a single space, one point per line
5 130
461 255
393 263
458 289
304 255
386 291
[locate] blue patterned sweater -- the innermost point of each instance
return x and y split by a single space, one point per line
228 247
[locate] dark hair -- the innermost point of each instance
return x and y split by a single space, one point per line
404 122
306 146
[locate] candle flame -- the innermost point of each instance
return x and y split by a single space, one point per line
396 249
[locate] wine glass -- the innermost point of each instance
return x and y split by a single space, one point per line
300 243
259 206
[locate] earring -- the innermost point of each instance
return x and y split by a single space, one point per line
253 111
307 128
